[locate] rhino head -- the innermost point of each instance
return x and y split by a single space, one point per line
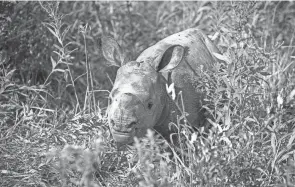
138 100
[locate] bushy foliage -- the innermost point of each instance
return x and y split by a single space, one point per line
54 87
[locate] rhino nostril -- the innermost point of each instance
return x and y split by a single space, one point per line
112 123
132 124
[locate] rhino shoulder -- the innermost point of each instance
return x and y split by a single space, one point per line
199 48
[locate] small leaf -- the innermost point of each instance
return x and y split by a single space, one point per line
65 32
216 34
171 90
259 68
230 68
59 48
222 57
286 155
59 70
215 125
227 122
264 73
66 76
3 57
53 62
280 100
273 141
290 142
249 119
9 74
193 138
52 32
291 95
228 142
59 40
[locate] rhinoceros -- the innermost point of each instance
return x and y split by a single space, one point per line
139 99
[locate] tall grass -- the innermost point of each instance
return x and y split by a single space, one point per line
53 126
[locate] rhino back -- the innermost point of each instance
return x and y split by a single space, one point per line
199 48
198 56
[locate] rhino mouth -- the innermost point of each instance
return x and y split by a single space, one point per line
123 137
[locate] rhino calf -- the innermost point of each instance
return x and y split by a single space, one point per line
139 99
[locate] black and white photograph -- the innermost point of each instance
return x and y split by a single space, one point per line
147 93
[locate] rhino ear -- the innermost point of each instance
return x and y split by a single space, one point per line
112 51
171 58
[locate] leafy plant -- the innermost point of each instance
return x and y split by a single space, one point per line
53 95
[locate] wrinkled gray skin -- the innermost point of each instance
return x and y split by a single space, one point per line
139 99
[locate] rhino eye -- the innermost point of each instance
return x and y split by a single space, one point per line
150 105
109 100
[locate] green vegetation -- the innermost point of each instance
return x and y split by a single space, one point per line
54 87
